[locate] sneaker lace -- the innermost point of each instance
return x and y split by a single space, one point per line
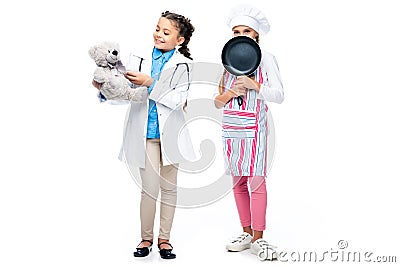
265 245
240 238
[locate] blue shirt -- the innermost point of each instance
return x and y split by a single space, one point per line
158 61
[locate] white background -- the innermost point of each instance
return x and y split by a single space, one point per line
65 199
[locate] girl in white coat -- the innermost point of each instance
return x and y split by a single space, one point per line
155 137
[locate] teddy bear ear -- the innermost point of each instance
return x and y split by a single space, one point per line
92 51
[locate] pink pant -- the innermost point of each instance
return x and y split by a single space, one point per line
251 208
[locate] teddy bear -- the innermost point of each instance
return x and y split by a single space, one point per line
110 73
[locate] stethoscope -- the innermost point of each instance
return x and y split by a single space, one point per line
173 74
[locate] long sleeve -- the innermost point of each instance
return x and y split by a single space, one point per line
271 89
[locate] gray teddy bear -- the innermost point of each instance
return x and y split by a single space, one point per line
110 72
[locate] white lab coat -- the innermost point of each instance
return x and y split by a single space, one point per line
170 94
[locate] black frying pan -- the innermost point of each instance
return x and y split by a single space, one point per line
241 55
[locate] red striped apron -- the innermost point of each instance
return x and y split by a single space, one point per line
244 132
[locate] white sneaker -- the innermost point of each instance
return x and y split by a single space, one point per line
263 250
240 243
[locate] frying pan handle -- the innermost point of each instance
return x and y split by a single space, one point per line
239 99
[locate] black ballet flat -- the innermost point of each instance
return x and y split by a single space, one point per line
166 253
143 252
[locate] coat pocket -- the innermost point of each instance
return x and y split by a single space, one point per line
239 124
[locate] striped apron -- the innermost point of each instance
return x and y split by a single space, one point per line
244 132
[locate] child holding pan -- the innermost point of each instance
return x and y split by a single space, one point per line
245 132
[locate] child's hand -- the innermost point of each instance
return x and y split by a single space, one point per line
238 89
139 78
247 83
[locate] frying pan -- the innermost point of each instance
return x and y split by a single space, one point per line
241 55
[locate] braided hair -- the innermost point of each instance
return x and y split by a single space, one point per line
185 28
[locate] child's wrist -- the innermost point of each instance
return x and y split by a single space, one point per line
231 94
149 82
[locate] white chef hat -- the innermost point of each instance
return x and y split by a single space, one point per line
250 16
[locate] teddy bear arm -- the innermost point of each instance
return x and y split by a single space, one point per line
138 94
100 75
115 89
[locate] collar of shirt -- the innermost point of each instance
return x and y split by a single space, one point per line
166 55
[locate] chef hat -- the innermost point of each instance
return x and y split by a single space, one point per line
250 16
